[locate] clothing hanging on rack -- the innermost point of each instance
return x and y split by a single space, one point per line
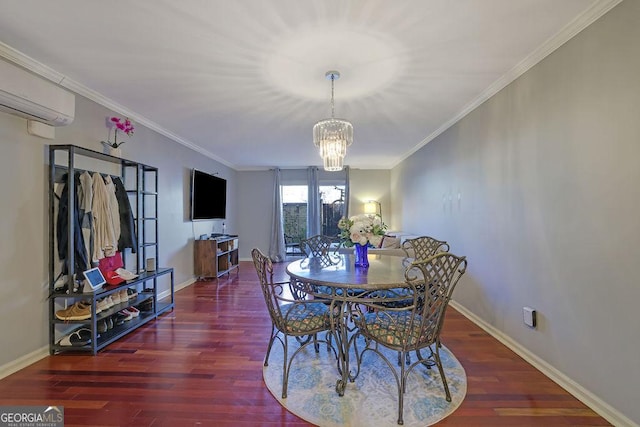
81 262
128 238
85 200
103 220
104 237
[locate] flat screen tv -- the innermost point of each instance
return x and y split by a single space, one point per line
208 196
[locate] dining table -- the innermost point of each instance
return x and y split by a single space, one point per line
335 279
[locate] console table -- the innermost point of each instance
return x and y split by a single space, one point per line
216 256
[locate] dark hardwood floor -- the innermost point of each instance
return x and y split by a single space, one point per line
201 365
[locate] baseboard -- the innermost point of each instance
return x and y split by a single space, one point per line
29 359
585 396
24 361
186 283
177 287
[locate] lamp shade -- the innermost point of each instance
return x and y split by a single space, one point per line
372 207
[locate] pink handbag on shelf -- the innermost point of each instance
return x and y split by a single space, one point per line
111 263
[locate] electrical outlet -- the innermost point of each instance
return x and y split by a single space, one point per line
529 316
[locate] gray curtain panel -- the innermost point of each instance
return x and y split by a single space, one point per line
313 202
277 249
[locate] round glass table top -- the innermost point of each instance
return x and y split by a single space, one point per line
338 270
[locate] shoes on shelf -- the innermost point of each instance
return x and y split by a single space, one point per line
115 297
87 304
126 274
127 316
146 305
124 297
133 311
109 321
102 305
61 283
132 292
102 326
77 311
119 318
79 338
62 290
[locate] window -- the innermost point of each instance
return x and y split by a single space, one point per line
294 216
294 211
332 201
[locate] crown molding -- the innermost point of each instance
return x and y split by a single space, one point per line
25 61
588 17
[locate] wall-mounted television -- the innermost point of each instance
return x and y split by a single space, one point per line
208 196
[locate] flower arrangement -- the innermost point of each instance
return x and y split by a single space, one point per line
119 124
361 229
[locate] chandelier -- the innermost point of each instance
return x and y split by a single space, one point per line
332 136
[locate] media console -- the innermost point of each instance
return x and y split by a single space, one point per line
216 256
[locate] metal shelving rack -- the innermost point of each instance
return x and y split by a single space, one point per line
141 183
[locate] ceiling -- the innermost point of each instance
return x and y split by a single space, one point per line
243 81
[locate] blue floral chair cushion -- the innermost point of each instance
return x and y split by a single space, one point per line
301 318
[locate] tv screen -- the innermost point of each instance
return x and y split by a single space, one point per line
208 196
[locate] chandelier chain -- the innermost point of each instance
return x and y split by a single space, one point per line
333 77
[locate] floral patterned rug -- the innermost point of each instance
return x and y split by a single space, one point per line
373 398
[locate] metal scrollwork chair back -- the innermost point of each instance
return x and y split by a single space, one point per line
321 248
317 246
416 325
289 317
423 247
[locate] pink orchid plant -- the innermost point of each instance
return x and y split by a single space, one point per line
119 124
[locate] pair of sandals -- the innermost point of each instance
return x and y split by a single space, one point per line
78 338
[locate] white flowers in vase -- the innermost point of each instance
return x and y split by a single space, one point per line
362 229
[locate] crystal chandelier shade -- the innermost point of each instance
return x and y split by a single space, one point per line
333 136
333 163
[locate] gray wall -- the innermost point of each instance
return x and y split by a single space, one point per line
255 207
24 216
538 187
255 202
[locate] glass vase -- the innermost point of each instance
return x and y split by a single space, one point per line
362 255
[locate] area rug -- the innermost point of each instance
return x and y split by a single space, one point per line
372 400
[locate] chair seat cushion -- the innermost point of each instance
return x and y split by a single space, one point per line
390 328
394 297
306 317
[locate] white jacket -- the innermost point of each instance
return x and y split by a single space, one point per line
105 242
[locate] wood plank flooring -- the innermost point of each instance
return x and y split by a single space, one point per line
201 365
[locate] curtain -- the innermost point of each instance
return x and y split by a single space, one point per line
313 202
346 192
277 249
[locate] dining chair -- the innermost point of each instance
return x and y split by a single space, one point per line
418 248
322 249
423 247
415 326
318 245
302 319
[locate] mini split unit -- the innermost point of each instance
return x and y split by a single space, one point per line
27 95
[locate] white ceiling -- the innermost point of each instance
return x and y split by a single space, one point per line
243 81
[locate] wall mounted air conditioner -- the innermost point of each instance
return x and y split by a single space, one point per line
27 95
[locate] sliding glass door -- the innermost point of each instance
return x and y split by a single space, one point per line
294 211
